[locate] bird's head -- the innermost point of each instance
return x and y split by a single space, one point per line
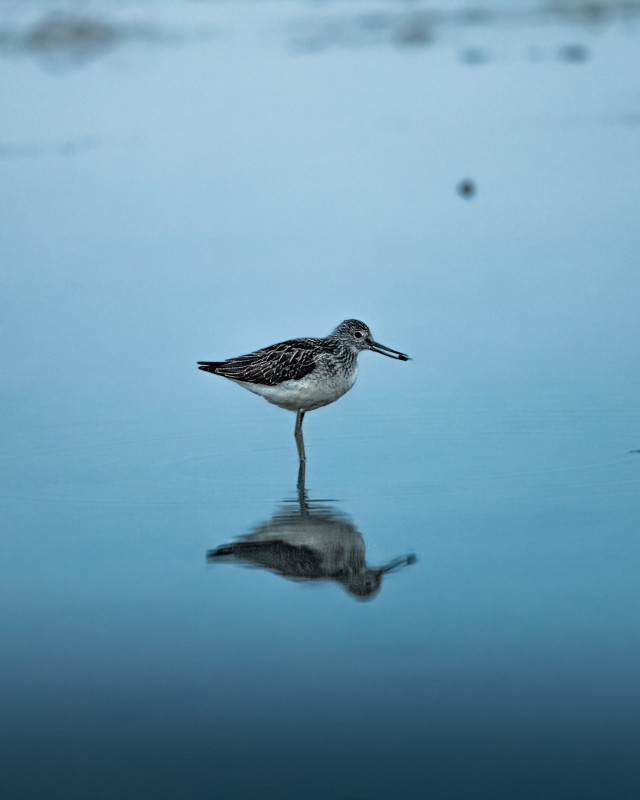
356 336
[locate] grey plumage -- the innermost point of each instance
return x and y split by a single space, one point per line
285 361
294 359
303 374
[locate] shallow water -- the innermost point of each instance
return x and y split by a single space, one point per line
254 172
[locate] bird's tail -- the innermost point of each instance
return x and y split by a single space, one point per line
210 366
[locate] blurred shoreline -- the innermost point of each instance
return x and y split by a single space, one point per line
61 35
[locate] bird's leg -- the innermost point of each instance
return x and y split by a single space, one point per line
302 464
298 435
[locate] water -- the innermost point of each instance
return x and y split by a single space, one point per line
228 176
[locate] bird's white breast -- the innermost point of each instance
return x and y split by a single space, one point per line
312 391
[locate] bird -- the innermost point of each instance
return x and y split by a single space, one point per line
303 374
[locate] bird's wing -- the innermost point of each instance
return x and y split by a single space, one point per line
285 361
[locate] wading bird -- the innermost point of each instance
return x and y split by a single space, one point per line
303 374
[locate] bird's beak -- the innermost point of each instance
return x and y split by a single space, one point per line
387 351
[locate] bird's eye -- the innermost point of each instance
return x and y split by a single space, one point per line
358 335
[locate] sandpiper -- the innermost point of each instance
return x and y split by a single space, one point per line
303 374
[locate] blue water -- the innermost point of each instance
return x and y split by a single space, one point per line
165 202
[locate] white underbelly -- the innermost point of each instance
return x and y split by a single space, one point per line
303 395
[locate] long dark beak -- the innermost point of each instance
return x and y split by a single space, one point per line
387 351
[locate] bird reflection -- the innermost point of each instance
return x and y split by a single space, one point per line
310 541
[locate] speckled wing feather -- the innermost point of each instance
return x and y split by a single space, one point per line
290 360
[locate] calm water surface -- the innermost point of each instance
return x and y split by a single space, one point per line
191 182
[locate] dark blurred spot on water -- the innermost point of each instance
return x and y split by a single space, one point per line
474 55
80 35
374 28
591 11
64 39
574 53
415 30
467 189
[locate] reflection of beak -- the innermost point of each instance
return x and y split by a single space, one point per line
387 351
403 561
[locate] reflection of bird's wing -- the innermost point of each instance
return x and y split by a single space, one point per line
290 360
290 561
338 545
